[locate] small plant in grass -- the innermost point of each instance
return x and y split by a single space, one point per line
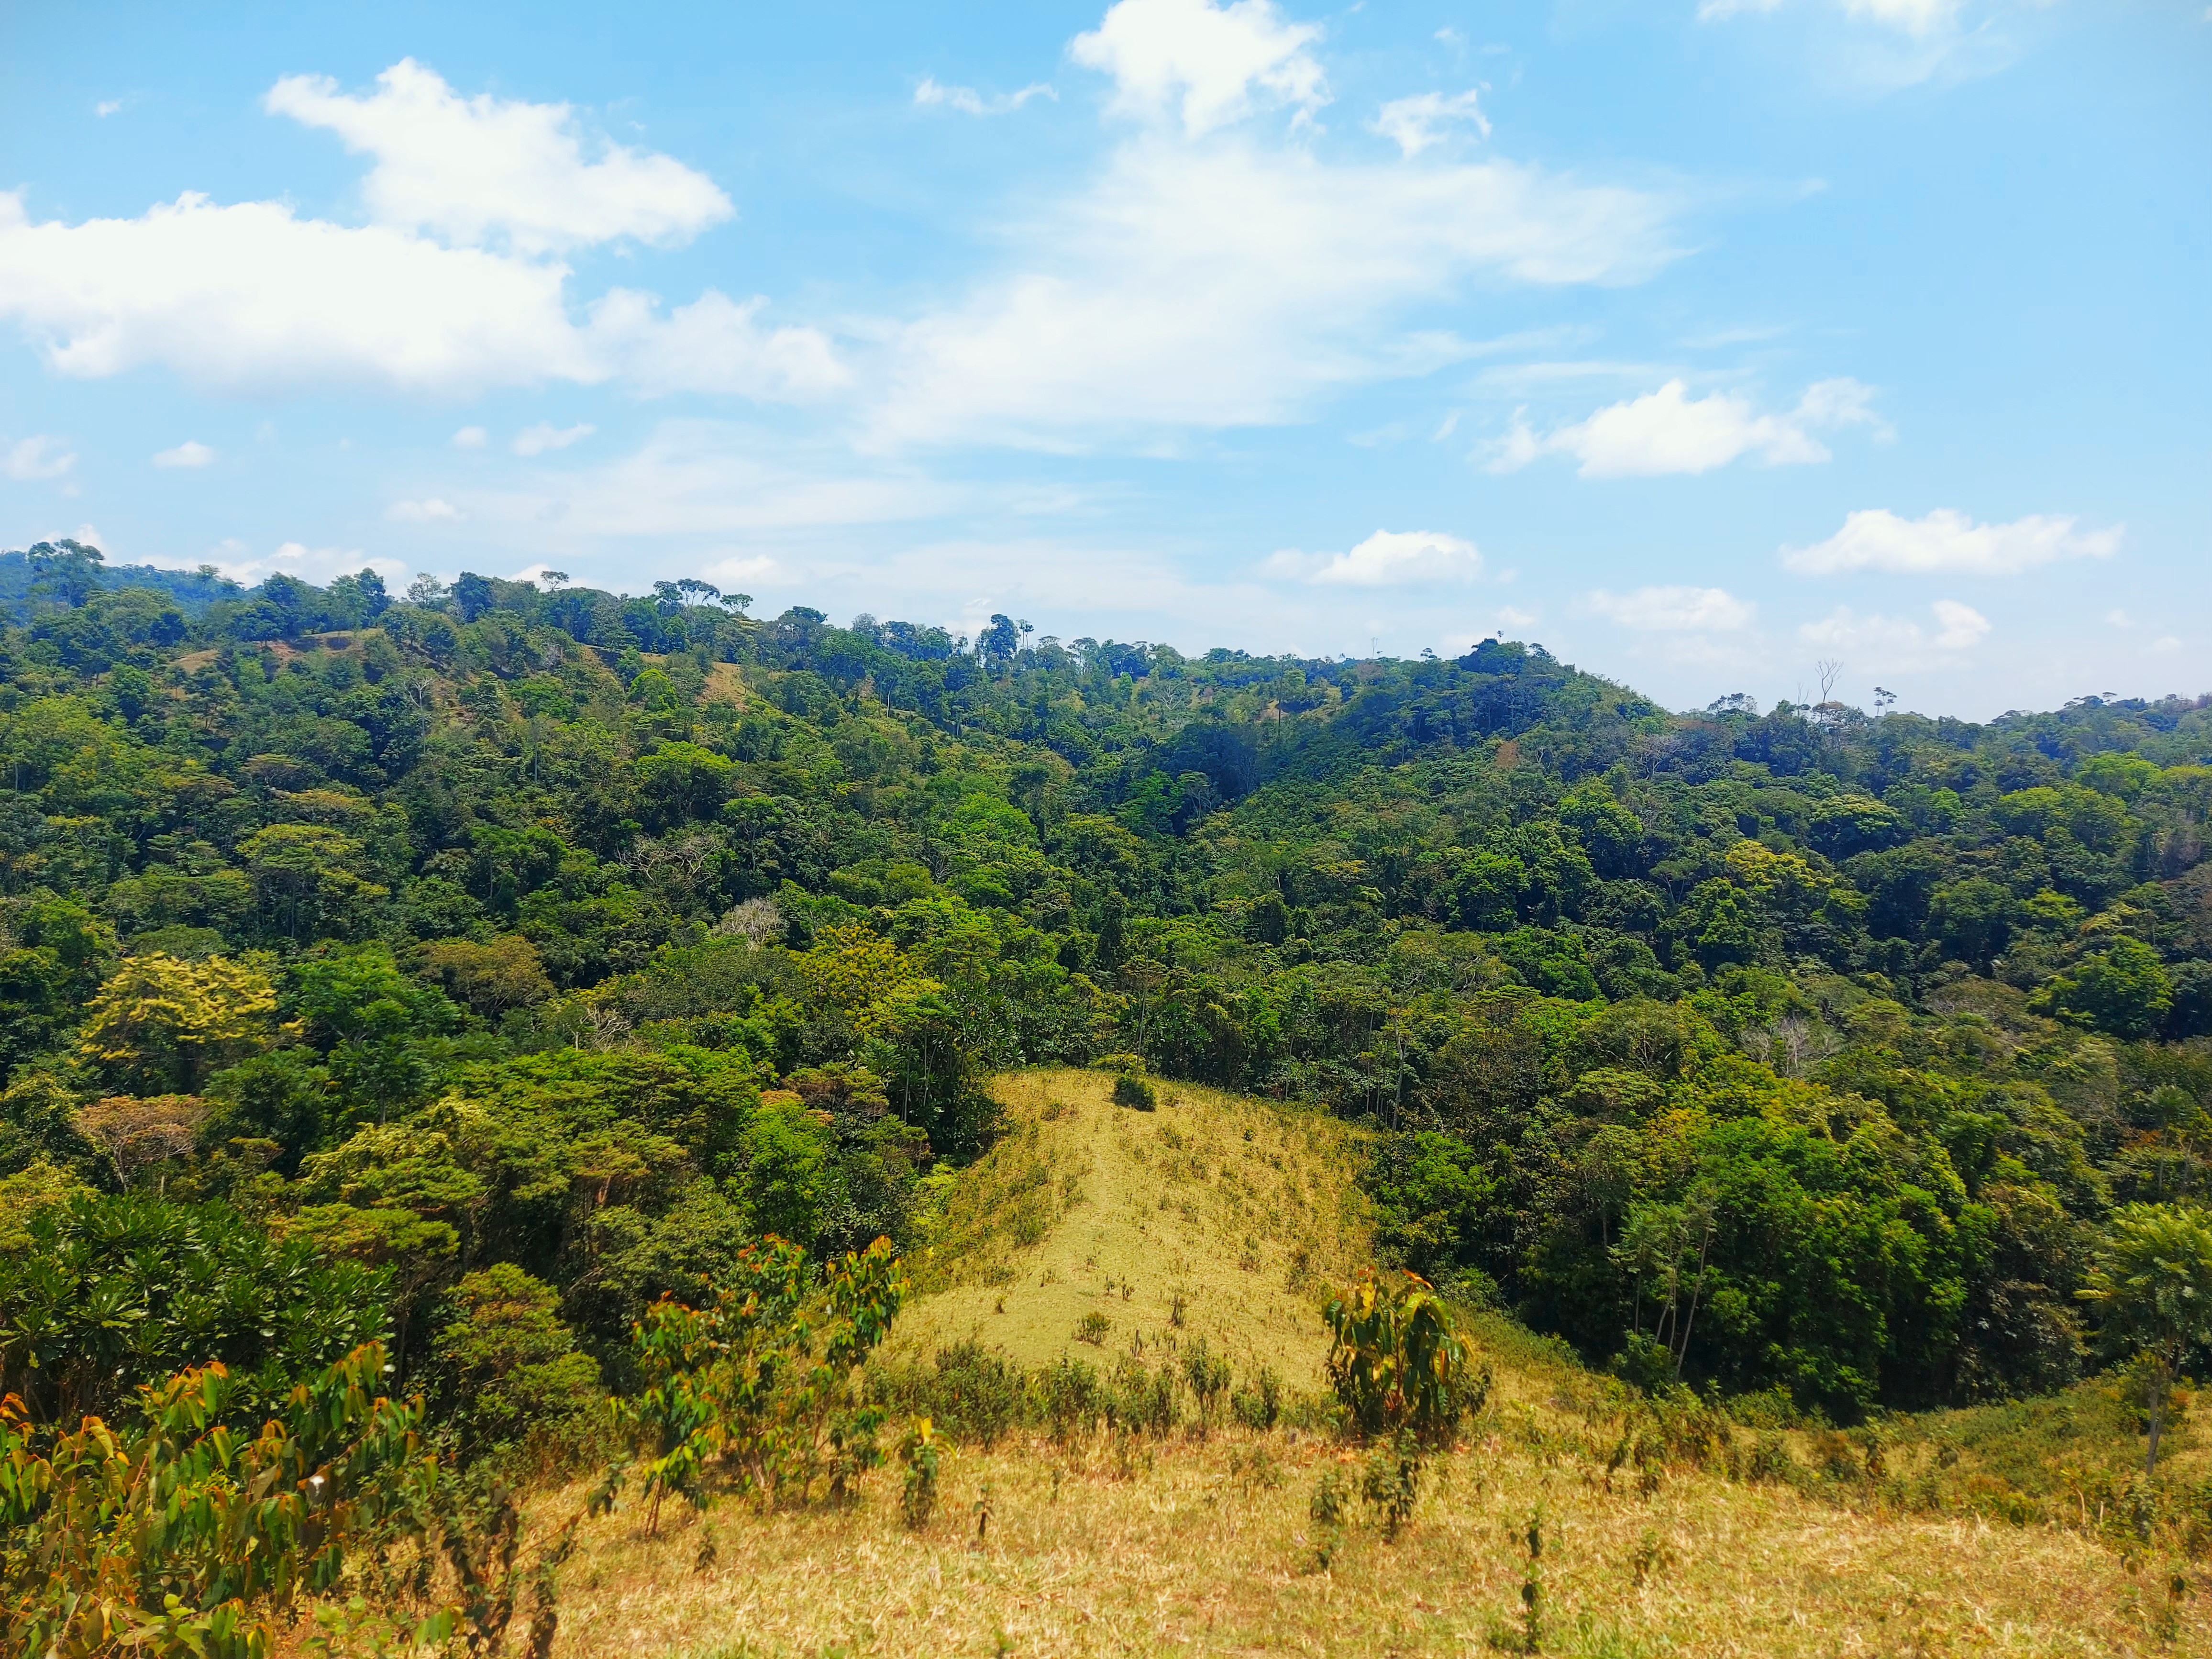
1532 1584
1328 1509
1391 1482
1207 1373
1176 1308
1093 1328
1132 1091
981 1507
1652 1554
918 1452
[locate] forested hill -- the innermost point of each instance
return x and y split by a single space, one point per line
537 944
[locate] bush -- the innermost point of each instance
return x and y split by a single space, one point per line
1093 1328
1072 1399
1134 1092
1259 1406
1397 1361
1144 1401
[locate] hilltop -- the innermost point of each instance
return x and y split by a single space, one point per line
1213 1214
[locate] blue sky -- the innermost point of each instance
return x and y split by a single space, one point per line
1702 343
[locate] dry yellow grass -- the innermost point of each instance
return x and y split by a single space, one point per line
1184 1554
1244 1209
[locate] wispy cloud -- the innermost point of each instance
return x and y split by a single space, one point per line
969 102
190 453
34 460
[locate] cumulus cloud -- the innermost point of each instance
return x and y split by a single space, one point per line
35 458
484 169
1206 65
969 102
1389 558
428 511
470 437
251 297
1898 641
1414 124
453 287
1675 609
1668 431
1948 542
191 453
1232 282
537 439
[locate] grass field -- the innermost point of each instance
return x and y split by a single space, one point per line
1995 1531
1243 1210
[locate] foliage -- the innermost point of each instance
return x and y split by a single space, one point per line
178 1533
523 925
1397 1361
2152 1285
110 1295
757 1390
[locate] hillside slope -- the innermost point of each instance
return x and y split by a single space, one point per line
1216 1214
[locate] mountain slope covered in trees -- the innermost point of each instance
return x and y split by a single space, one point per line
483 965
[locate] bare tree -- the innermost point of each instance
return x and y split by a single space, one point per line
137 1133
1830 671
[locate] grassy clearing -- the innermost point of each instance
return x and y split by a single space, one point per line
1190 1548
1215 1215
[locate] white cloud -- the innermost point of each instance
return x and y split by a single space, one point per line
35 458
1389 558
106 106
1414 124
1947 543
1202 61
236 560
470 437
1898 642
1228 284
477 170
969 102
250 297
191 453
1675 609
428 511
1668 431
537 439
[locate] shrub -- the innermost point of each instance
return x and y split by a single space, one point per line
1259 1406
174 1536
1208 1374
1133 1091
1093 1328
1397 1361
755 1388
1071 1397
976 1394
1142 1399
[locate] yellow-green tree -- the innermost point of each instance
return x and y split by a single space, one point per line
164 1022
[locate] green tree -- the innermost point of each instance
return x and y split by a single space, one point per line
2124 990
2152 1286
162 1022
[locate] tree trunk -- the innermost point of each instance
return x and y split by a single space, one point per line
2158 1387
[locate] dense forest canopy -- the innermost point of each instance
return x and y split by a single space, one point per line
481 965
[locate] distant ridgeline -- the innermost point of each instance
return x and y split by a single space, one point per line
52 570
580 938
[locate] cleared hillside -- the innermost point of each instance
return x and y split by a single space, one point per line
1216 1214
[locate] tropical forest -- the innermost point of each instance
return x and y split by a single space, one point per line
539 1120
